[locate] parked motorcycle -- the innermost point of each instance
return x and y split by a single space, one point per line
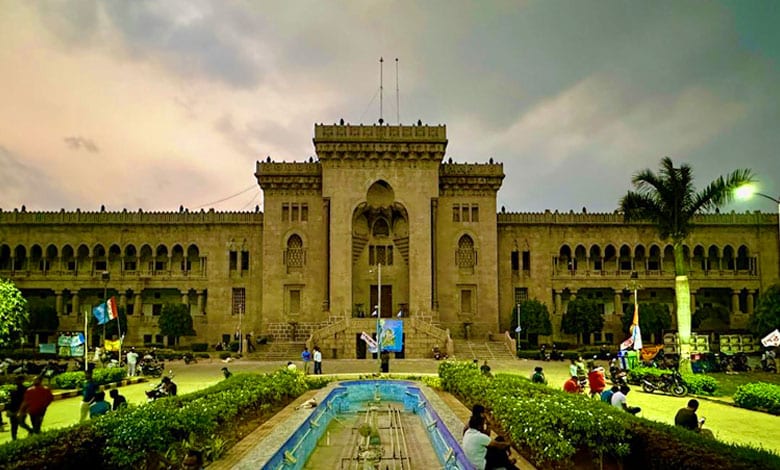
544 355
438 354
53 368
152 368
670 383
189 358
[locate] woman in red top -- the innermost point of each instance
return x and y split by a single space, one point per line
596 380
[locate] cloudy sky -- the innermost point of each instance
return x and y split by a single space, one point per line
153 105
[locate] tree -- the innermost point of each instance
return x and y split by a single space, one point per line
43 316
582 317
534 318
711 317
766 316
654 318
175 321
13 312
669 200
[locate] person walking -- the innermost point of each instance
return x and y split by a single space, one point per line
132 362
37 399
317 360
306 358
14 404
88 390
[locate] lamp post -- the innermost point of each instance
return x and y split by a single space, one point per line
746 191
518 328
106 277
378 314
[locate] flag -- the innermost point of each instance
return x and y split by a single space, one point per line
376 311
772 339
636 335
111 345
400 314
371 342
106 311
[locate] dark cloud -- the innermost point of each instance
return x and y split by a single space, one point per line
29 186
78 143
74 22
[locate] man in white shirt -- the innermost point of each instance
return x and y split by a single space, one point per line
475 443
317 356
132 362
619 400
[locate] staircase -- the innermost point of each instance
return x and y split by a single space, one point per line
278 351
483 350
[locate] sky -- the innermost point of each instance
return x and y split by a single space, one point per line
162 104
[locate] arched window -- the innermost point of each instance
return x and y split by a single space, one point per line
294 256
466 256
381 229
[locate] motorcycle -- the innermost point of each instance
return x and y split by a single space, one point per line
437 354
543 354
768 362
151 368
670 383
617 375
189 358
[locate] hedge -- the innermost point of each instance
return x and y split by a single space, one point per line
135 437
72 380
698 384
552 428
760 396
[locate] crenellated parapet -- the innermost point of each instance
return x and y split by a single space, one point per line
335 143
289 176
126 217
616 218
473 178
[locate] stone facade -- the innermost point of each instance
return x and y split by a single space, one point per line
380 218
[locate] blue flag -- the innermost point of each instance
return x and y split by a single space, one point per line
100 314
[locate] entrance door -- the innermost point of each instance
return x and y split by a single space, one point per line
387 300
360 347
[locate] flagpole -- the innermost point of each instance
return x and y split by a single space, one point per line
86 341
119 329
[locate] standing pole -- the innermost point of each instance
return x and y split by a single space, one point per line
381 91
86 341
397 95
378 316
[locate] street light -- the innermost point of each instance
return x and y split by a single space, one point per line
746 191
378 314
518 328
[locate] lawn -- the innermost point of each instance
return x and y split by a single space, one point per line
727 422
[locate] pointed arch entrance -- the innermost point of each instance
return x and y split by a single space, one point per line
380 235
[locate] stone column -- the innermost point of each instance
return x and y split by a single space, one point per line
618 302
558 302
750 302
735 301
200 302
123 300
693 301
185 298
138 305
58 302
75 302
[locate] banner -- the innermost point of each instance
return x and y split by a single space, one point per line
371 342
772 339
391 335
111 345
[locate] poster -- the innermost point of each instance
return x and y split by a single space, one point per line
391 337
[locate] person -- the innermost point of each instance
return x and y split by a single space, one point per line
249 346
193 460
475 443
36 400
317 360
499 459
572 385
596 380
16 397
485 368
169 388
573 367
687 418
384 359
291 365
88 390
99 406
606 395
619 400
226 373
132 362
478 411
538 376
306 357
118 401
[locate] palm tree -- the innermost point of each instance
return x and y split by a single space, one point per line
669 200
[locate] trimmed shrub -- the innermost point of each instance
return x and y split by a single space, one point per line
203 355
760 396
72 380
136 436
199 347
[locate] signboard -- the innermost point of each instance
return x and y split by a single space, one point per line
391 336
70 345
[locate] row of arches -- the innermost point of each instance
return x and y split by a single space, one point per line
100 257
653 258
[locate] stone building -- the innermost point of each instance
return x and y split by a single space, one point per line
381 220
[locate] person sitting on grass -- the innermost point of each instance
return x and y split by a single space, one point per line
572 385
619 400
687 418
475 443
606 395
119 401
99 406
538 376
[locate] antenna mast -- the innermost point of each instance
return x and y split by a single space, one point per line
381 91
397 96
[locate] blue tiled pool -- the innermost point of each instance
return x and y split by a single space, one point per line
355 396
